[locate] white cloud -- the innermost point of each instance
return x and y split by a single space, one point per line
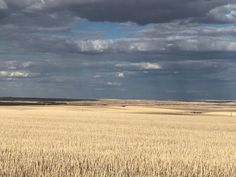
14 74
148 66
97 76
140 66
113 84
120 75
119 45
95 45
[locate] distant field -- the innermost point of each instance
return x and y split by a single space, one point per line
118 139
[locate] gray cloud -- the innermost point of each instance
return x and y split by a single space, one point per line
26 18
3 5
184 49
226 13
173 43
139 11
198 41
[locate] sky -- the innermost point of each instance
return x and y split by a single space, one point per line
134 49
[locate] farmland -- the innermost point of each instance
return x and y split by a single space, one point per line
113 138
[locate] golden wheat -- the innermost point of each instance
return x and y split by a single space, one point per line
58 141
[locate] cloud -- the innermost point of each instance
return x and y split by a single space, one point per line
15 65
225 14
32 30
180 45
119 45
94 45
142 12
178 30
27 64
153 38
167 43
113 84
138 11
14 74
140 66
3 5
175 36
120 75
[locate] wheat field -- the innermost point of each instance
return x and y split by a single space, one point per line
113 141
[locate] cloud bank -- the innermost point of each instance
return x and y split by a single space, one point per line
180 49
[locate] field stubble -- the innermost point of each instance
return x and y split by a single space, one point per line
114 142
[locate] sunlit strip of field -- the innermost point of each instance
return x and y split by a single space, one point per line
115 142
